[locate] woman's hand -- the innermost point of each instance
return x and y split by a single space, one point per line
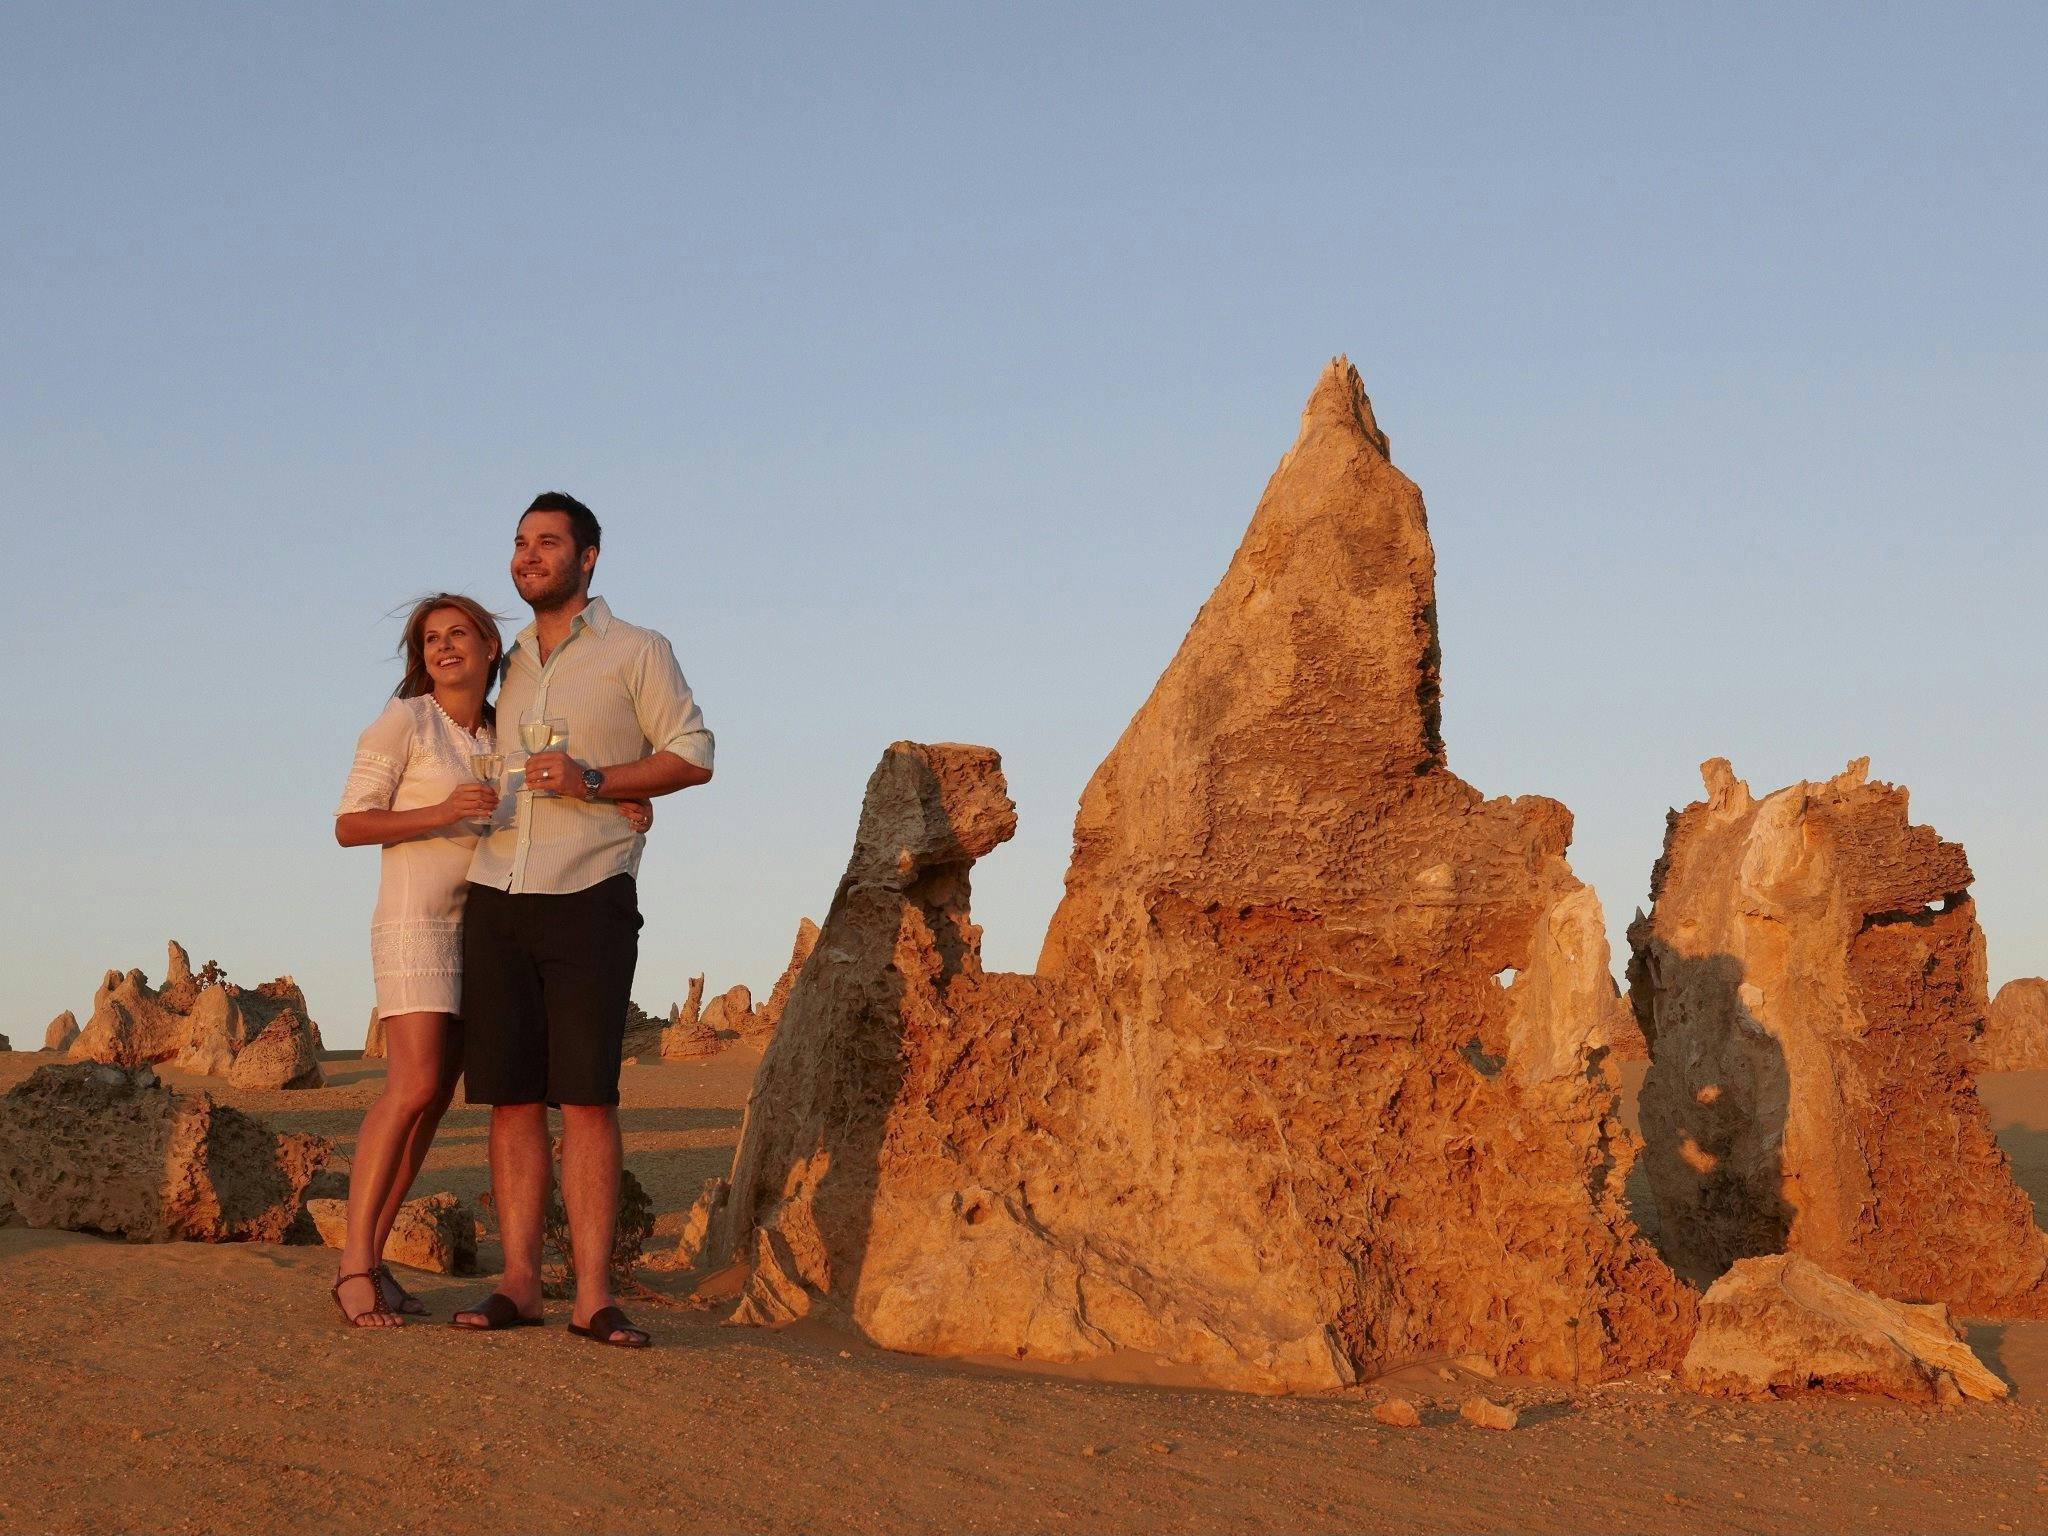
639 814
469 802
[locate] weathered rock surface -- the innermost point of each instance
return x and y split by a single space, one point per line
1265 1107
1810 978
435 1232
769 1014
283 1056
377 1042
62 1031
95 1148
1781 1325
5 1044
2015 1034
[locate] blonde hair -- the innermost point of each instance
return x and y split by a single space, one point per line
414 646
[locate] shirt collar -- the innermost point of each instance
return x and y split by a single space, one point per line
595 615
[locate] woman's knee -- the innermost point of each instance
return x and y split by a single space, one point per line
416 1094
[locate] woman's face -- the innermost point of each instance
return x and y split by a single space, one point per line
457 654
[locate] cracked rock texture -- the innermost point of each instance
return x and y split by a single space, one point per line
1811 980
96 1148
1781 1325
1313 1076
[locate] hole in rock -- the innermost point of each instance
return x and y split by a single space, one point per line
975 1214
1506 975
1485 1065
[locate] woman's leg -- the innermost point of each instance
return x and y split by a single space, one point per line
415 1044
436 1040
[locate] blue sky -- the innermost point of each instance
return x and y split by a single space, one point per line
925 364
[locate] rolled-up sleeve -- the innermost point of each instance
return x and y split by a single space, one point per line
668 712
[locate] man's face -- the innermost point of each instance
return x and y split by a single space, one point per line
544 564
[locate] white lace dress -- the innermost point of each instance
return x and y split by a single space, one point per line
411 756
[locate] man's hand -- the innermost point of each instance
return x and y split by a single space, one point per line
557 771
469 802
639 814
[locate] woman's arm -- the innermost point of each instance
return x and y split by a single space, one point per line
357 829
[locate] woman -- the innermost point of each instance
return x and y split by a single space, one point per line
413 792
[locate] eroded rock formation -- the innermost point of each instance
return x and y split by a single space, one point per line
2015 1035
731 1014
1270 1105
1810 977
769 1014
195 1023
95 1148
1781 1325
377 1041
283 1056
436 1232
62 1031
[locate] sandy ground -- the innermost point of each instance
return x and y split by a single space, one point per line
192 1388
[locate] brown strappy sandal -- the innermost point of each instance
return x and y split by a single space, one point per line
408 1305
374 1309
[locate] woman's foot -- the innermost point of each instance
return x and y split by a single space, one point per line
361 1304
396 1296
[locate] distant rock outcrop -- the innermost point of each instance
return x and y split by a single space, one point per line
642 1039
62 1031
195 1023
1780 1325
731 1013
769 1014
2015 1035
1810 977
95 1148
1314 1074
377 1041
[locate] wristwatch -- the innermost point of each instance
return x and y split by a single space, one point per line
593 782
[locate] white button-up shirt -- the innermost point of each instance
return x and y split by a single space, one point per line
624 698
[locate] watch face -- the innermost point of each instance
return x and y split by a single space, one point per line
593 780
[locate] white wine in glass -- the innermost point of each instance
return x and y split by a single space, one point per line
487 766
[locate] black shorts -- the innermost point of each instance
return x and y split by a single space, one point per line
545 985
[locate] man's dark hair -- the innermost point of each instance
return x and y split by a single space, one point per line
583 526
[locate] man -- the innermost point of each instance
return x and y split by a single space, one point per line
551 929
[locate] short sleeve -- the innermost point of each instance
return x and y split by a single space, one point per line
667 710
381 753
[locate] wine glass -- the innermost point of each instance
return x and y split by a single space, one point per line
487 766
544 733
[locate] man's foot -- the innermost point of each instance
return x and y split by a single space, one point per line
608 1325
361 1304
396 1296
496 1311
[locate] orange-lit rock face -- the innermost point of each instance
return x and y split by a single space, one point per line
1811 978
1311 1078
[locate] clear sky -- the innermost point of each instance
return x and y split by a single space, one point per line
925 365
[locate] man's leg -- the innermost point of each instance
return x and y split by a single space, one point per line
590 1190
520 1176
587 973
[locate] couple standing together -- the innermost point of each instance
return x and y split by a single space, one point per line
507 927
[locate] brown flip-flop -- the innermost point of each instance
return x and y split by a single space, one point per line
605 1322
497 1311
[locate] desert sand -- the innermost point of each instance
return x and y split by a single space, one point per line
202 1387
